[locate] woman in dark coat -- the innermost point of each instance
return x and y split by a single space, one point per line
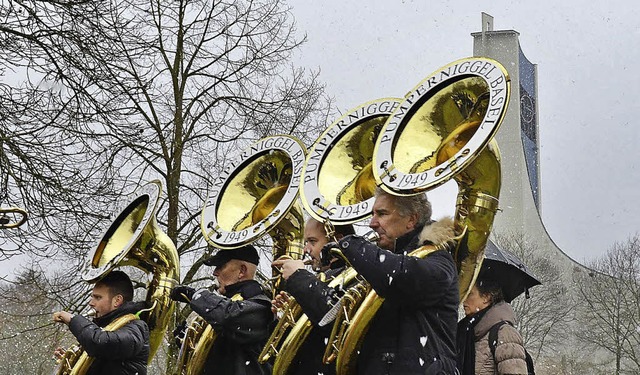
484 308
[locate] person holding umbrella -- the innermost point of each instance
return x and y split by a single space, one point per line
487 340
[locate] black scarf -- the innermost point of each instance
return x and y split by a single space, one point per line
246 288
125 308
407 242
466 343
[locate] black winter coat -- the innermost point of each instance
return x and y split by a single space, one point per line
124 351
316 299
241 326
414 331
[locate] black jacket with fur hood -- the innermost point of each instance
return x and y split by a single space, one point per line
415 329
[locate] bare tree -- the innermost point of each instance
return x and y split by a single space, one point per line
42 172
611 314
25 323
114 93
544 317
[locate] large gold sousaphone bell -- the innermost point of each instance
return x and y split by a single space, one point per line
442 130
254 196
134 239
337 188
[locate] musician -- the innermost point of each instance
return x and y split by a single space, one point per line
122 351
414 330
314 296
240 313
315 238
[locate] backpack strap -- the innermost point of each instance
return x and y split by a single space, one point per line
493 343
493 337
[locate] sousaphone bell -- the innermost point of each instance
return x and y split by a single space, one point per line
256 195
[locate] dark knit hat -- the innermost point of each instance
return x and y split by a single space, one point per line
248 253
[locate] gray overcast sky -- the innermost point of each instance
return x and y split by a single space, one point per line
589 91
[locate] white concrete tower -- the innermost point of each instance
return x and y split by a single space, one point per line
520 196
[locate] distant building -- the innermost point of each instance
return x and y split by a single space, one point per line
518 140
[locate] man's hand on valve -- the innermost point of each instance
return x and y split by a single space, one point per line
279 302
287 266
182 293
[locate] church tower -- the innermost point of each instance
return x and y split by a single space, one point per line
520 208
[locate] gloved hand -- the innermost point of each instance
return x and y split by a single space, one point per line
182 293
180 332
326 253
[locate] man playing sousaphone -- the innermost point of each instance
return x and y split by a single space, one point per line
414 330
314 296
240 313
121 351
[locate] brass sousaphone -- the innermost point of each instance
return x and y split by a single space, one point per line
255 195
134 239
337 188
442 130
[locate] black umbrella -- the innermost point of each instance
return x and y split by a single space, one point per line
509 271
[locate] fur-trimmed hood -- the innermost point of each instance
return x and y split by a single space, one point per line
432 233
437 232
